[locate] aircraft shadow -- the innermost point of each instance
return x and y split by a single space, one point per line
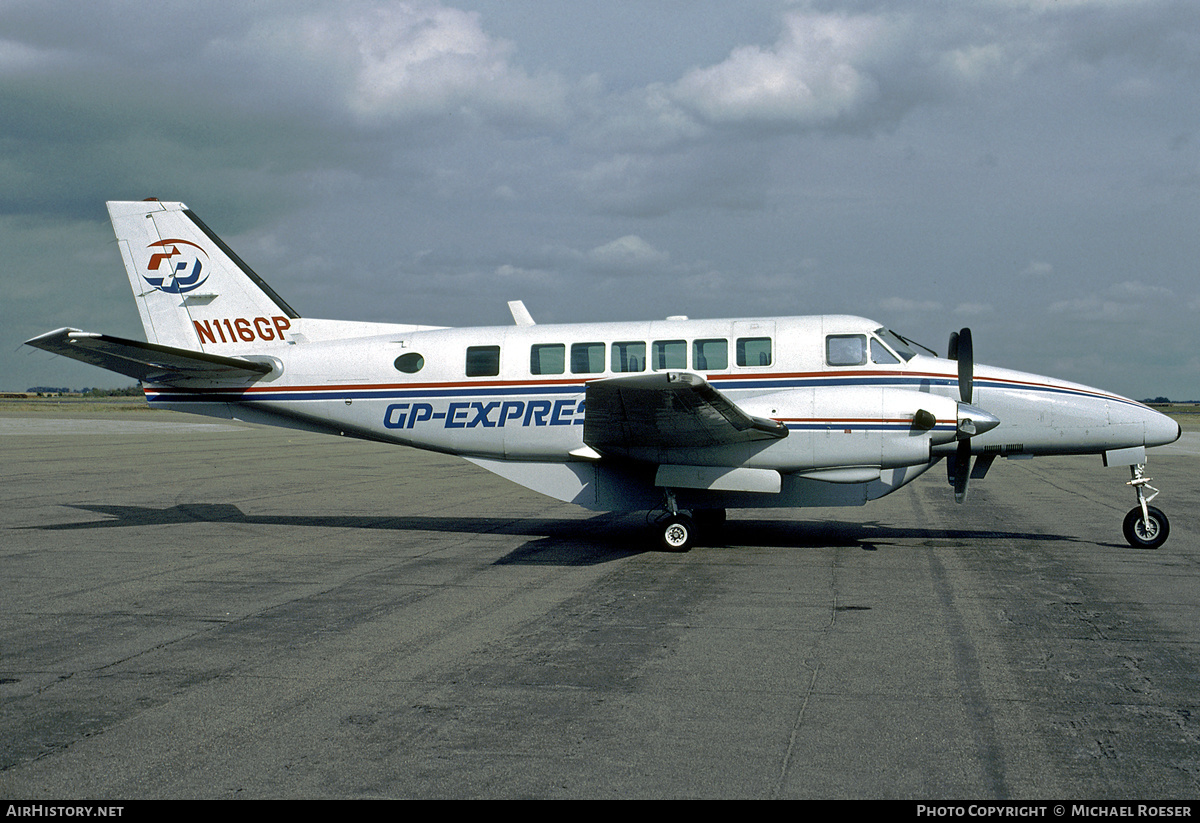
865 535
601 538
598 539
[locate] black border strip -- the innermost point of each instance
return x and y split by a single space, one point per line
241 264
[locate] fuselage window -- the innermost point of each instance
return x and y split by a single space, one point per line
410 363
587 358
548 358
628 357
846 349
670 354
754 351
710 355
483 361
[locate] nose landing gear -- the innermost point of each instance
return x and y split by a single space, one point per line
1145 527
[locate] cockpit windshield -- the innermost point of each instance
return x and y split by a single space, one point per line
897 343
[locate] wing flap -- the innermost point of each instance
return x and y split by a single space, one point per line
149 362
666 410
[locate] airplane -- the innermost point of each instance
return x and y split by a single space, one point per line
681 418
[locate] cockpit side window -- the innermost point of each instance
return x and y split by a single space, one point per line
846 349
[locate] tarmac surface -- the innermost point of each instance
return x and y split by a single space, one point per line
205 610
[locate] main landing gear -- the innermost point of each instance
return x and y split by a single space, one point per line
678 532
1145 526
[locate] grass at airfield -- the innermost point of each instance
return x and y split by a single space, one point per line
73 405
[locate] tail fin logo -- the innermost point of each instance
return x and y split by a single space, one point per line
172 266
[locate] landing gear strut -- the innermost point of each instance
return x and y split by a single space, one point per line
1145 526
676 531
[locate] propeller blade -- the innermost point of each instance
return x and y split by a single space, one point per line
966 365
962 470
952 348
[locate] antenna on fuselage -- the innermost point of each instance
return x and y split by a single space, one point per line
521 315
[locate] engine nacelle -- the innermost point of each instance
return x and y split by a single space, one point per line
855 430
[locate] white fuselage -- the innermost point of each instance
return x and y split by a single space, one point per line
517 392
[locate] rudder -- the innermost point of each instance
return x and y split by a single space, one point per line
192 291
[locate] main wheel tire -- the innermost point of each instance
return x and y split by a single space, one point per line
677 533
1143 533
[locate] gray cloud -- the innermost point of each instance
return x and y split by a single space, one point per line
427 161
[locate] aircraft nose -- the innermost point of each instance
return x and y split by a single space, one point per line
1160 429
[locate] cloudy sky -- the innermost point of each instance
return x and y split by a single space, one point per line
1029 168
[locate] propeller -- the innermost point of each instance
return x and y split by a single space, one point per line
971 420
964 353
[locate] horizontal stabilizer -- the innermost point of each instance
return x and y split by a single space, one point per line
150 362
667 410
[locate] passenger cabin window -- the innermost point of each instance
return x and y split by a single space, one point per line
410 363
670 354
846 349
549 358
630 356
483 361
754 351
587 358
710 355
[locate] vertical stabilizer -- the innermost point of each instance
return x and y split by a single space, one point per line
192 291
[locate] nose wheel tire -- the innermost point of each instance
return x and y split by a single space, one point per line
1146 532
677 533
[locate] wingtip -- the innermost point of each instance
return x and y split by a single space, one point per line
57 334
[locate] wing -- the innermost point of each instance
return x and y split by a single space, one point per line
145 361
666 410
